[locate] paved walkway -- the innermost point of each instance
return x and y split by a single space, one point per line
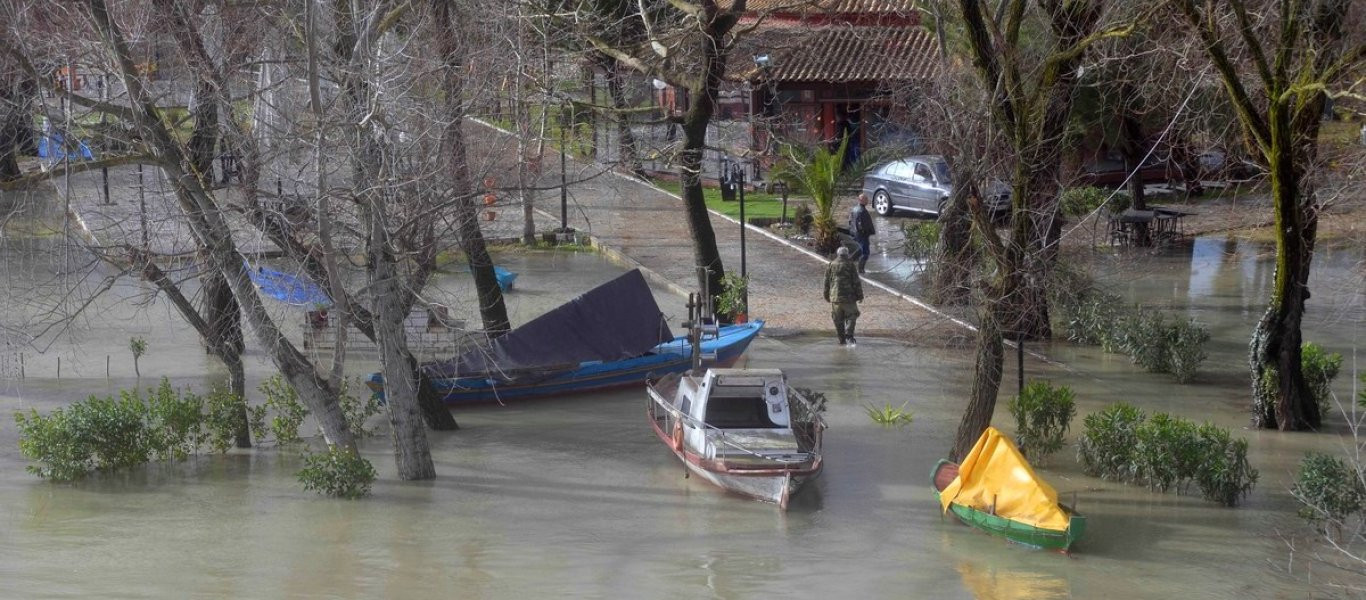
647 227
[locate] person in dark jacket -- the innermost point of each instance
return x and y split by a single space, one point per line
861 227
843 290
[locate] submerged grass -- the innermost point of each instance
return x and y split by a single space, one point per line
888 415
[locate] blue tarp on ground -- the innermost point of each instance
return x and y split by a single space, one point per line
53 147
290 289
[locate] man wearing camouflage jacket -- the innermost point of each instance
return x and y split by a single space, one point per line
843 290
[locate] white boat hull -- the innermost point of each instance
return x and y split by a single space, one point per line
777 489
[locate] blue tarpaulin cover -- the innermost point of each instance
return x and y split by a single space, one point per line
290 289
53 147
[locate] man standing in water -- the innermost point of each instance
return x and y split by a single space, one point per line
861 227
843 290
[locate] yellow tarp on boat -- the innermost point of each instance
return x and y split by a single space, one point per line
995 472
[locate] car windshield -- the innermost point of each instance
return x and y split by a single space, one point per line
941 172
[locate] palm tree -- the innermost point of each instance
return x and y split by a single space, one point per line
820 173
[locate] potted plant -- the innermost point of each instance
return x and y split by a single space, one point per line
731 301
317 318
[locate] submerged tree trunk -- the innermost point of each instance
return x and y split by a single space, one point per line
492 310
1281 397
411 453
220 310
986 385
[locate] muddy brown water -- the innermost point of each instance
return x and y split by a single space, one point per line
574 497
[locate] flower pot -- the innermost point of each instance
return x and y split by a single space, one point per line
741 318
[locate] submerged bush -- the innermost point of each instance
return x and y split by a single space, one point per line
1320 368
1166 452
175 422
286 413
1043 414
1186 348
223 412
337 472
1223 472
1107 445
357 410
1330 489
108 434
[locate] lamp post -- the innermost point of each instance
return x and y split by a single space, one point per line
564 188
782 187
737 178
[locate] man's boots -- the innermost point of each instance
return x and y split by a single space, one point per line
839 330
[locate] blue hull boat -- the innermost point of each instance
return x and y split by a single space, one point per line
669 357
613 335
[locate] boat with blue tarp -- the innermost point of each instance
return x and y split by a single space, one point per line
611 336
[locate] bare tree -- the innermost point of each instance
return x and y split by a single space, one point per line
1030 80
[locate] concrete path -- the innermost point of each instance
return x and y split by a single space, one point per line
646 226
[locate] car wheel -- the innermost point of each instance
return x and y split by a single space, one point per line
882 203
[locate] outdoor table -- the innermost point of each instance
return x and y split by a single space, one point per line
1169 221
1166 224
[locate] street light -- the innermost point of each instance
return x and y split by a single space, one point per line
564 188
782 187
737 178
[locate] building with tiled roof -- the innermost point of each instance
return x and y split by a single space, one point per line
816 71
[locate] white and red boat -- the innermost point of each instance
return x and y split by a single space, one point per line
741 429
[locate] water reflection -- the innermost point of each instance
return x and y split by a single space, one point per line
987 582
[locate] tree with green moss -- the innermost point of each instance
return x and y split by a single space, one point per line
1279 62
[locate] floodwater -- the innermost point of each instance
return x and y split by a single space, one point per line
575 497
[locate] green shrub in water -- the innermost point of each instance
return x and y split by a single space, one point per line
1330 489
175 422
338 473
1043 414
1159 346
1320 368
1106 447
1167 453
357 410
286 413
1223 472
888 415
112 433
222 413
1144 340
1185 348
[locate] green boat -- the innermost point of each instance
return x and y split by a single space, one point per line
1038 537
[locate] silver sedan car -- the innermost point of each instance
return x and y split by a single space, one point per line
918 183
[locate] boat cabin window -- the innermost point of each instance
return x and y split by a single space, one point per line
739 408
